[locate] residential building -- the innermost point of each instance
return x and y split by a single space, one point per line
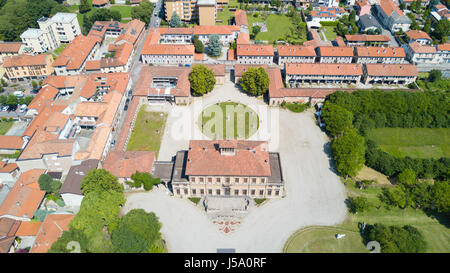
27 67
440 12
334 54
206 12
160 84
11 49
203 11
392 17
219 72
10 144
443 52
295 54
422 54
8 230
368 22
71 188
296 74
254 54
61 28
176 35
423 3
227 168
24 198
418 36
51 229
240 19
123 164
367 40
227 34
363 7
389 73
9 172
72 59
373 54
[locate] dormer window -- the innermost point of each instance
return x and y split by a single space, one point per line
227 151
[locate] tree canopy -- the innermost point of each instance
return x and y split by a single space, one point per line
348 151
255 81
144 179
143 11
337 119
214 45
175 20
202 80
395 239
100 180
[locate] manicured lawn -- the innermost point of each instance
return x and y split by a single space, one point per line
413 142
329 32
277 26
235 120
125 11
224 15
147 132
5 126
321 239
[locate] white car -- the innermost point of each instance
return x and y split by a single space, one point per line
23 108
18 94
5 108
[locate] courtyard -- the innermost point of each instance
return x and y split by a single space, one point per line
314 193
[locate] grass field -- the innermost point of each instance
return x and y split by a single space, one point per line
413 142
329 32
320 239
5 126
125 11
277 26
147 132
236 120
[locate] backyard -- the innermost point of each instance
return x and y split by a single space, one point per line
321 239
147 132
413 142
5 125
329 32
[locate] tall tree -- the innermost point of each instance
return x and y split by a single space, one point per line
175 20
143 11
337 119
84 6
214 45
100 180
255 81
348 152
202 80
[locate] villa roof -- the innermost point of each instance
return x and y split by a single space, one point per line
124 164
392 70
323 69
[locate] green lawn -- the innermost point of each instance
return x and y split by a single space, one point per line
413 142
277 26
236 120
320 239
224 15
329 32
125 11
5 126
147 132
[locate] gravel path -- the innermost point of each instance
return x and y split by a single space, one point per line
314 194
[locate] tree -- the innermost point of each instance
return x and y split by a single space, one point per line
45 182
12 100
126 241
3 99
402 6
441 31
255 81
407 178
144 179
72 235
202 80
214 46
337 119
143 11
175 20
440 193
116 15
199 47
348 152
427 26
84 6
34 84
358 204
434 75
395 239
100 180
255 30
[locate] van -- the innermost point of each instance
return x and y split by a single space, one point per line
23 108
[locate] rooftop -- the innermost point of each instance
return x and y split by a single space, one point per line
26 60
254 50
323 69
380 52
392 70
51 229
126 163
72 183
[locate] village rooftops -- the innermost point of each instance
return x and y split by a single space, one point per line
323 69
51 229
228 158
10 47
146 87
389 7
72 183
367 38
240 18
409 70
75 54
418 34
11 142
380 52
296 50
26 60
335 51
254 50
168 49
443 47
124 164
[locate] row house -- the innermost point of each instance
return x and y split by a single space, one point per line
10 49
297 74
227 34
72 59
176 35
161 54
227 168
254 54
367 40
422 54
389 73
387 55
130 32
27 67
335 54
52 32
326 14
443 52
295 54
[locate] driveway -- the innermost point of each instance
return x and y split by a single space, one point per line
314 193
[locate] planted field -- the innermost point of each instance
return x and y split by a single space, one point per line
413 142
147 131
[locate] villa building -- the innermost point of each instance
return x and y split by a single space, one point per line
27 67
389 73
227 168
392 17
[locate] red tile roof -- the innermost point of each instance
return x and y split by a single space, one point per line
392 70
10 47
417 34
124 164
44 97
367 38
99 2
389 7
11 142
251 158
380 52
75 54
240 69
243 38
323 69
51 229
335 51
296 50
168 49
144 85
220 30
254 50
240 18
28 228
443 47
26 60
418 48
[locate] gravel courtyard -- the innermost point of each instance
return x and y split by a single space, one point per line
314 194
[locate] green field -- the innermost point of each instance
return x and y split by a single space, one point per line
320 239
125 11
330 33
147 131
277 26
413 142
236 120
5 126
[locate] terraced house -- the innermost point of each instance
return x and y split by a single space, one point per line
386 55
254 54
295 54
227 168
389 73
27 67
297 74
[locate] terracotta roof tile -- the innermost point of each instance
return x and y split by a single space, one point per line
296 50
367 38
27 60
10 47
335 51
76 53
254 50
144 85
392 70
323 69
380 52
240 18
28 228
11 142
443 47
417 34
418 48
51 229
216 29
124 164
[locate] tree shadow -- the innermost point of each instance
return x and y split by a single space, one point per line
327 151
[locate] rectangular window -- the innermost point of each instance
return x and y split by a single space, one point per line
236 192
202 192
269 192
236 180
194 191
245 180
209 179
217 192
253 180
227 180
253 192
277 193
210 192
244 192
218 179
178 191
185 191
201 179
261 192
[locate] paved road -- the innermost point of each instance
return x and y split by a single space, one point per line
314 193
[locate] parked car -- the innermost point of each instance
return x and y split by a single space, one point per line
18 94
5 108
23 108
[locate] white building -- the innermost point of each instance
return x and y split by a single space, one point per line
61 28
254 54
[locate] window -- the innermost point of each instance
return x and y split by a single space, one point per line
236 192
252 192
210 192
227 180
192 179
178 191
194 191
245 180
218 192
253 180
202 192
269 192
244 192
218 179
209 179
261 192
185 191
277 192
236 180
201 179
